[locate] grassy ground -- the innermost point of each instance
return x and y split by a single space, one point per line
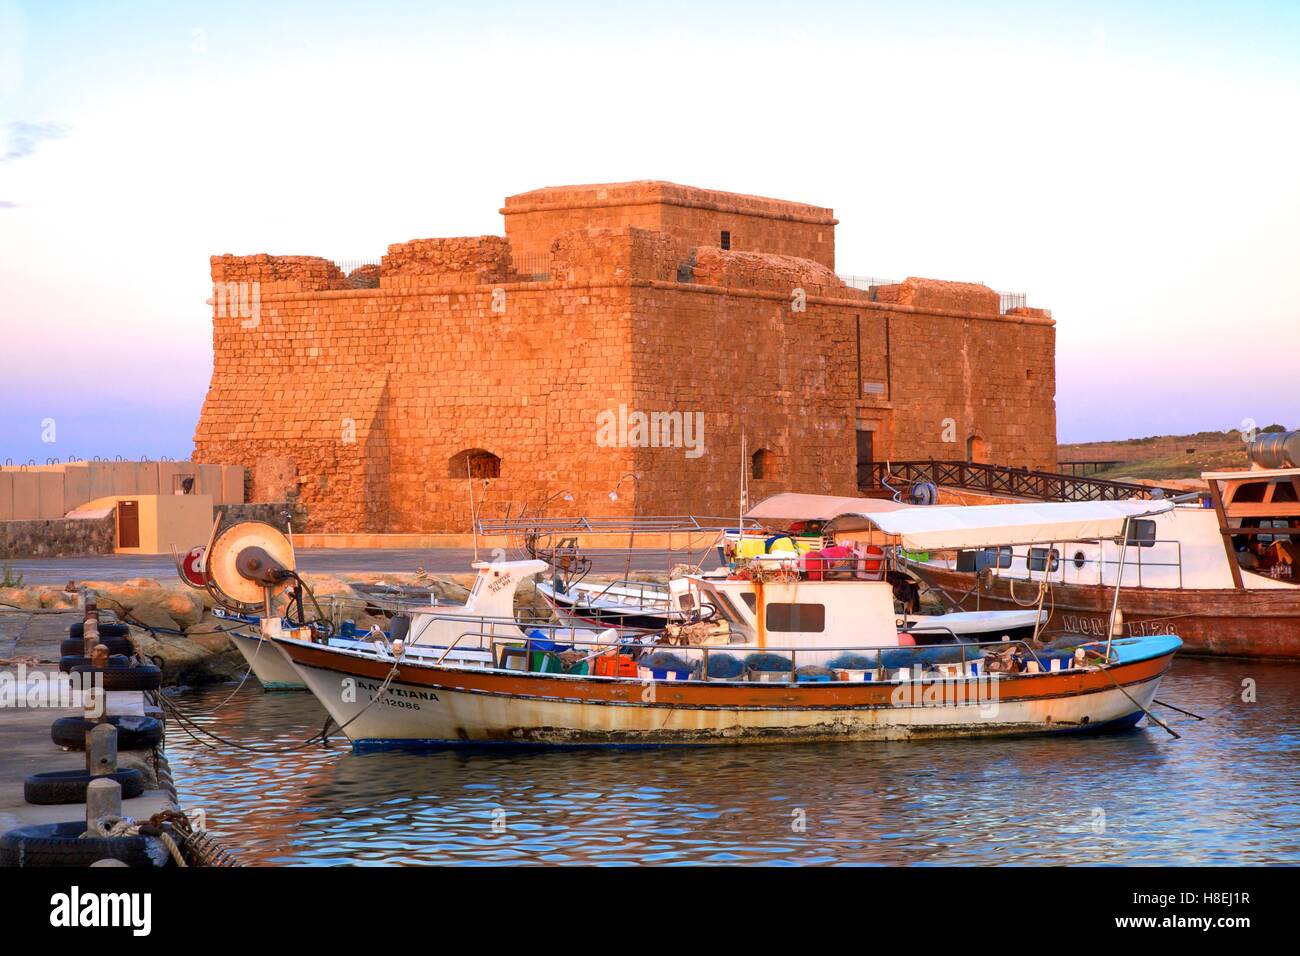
1166 457
1177 466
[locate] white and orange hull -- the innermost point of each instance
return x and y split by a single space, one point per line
429 705
270 666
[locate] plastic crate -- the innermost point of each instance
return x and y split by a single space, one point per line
609 666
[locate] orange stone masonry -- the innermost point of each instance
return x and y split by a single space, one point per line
367 399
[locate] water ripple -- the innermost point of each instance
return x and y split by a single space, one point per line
1225 794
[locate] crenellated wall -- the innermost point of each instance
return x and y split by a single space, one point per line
364 403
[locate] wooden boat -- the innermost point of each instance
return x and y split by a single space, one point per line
1222 574
385 703
387 699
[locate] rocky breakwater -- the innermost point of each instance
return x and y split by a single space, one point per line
176 626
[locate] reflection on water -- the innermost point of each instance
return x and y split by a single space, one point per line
1224 794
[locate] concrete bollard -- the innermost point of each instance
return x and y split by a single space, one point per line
101 750
90 622
103 799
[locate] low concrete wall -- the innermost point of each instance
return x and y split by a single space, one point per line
51 491
57 537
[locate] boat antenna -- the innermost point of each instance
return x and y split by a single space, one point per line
473 523
744 490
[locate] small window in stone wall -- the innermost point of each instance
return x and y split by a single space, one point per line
474 463
725 241
762 465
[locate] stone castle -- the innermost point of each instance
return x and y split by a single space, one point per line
569 358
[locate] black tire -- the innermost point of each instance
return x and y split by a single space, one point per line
133 733
76 646
107 629
60 844
140 677
69 786
66 664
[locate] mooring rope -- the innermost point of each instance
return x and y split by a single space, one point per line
322 737
1104 668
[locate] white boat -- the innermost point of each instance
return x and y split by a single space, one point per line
433 627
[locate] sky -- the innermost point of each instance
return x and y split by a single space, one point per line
1134 167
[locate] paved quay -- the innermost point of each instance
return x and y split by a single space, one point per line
25 744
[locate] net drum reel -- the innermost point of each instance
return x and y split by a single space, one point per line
249 565
244 568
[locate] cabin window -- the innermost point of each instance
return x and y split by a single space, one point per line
1141 534
474 463
751 602
994 558
1273 523
1038 559
809 618
729 609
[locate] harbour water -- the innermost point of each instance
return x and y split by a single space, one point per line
1227 793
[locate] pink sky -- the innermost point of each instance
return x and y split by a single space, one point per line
1135 177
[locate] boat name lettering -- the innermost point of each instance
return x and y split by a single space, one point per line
398 691
1097 626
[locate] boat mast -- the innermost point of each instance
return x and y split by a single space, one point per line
1119 583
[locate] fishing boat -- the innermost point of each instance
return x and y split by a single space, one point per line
783 552
1220 571
668 689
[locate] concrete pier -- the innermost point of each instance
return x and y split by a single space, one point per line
31 643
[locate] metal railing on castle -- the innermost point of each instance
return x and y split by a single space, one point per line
1010 482
1006 300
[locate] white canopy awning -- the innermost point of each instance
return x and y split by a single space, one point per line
790 506
953 527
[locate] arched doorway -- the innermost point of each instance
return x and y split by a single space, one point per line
976 448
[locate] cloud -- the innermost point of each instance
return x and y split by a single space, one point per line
24 137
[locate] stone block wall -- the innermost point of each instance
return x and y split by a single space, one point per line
368 402
57 538
690 216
